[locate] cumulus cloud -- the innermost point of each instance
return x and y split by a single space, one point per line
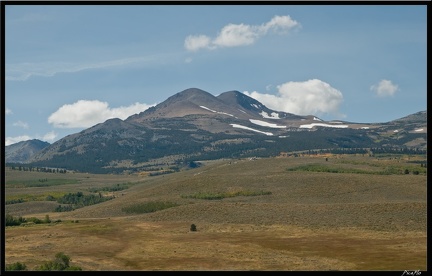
86 113
384 88
312 97
8 111
280 24
236 35
233 35
21 124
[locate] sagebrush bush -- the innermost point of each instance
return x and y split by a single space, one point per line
148 207
215 196
16 266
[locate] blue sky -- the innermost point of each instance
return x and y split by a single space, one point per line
71 67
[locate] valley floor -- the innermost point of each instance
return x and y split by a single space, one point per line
117 244
308 221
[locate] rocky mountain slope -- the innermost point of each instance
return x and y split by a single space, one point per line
22 151
195 125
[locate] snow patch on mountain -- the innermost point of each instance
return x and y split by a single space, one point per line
273 115
323 125
256 106
262 123
248 128
214 111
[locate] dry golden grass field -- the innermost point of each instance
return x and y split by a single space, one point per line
270 214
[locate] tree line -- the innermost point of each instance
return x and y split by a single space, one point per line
37 169
78 200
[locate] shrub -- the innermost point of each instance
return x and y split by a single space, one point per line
222 195
16 266
75 268
78 200
14 201
148 207
193 227
61 262
34 220
113 188
66 208
11 221
50 198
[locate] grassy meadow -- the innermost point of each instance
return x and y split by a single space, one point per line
332 212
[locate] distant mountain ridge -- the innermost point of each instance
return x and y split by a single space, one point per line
196 125
418 117
22 151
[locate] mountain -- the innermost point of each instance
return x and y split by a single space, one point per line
419 118
195 125
22 151
198 108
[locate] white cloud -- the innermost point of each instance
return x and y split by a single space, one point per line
196 42
280 24
85 113
8 111
236 35
13 140
233 35
23 71
50 137
384 88
303 98
21 124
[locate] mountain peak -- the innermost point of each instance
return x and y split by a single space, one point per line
192 95
186 102
238 98
192 91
